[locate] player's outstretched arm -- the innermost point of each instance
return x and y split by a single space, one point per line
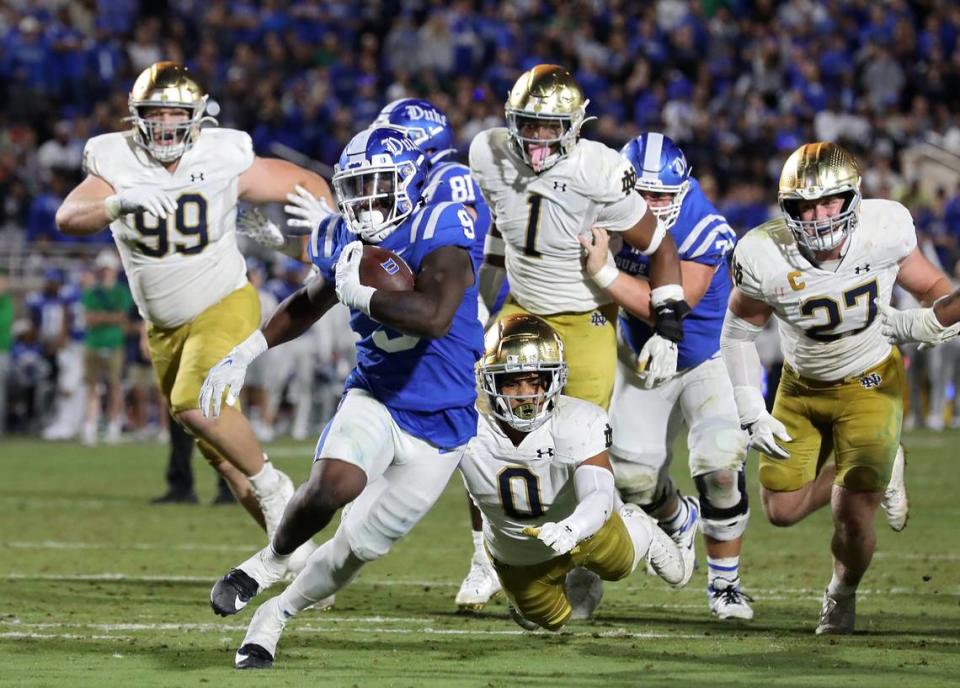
594 485
269 180
291 318
744 321
428 310
92 205
633 293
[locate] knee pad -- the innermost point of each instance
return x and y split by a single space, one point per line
724 508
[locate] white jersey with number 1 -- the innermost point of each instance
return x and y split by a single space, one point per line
540 216
180 266
828 320
526 486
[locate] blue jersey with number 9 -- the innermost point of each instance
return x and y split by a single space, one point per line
427 385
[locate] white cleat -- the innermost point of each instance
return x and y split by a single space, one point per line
729 603
273 503
686 538
837 614
259 646
234 591
584 590
479 587
664 558
895 504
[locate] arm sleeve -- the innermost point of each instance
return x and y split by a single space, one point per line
594 486
739 353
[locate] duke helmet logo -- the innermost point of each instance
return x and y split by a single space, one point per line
399 145
870 381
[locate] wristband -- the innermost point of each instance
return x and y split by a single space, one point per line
605 276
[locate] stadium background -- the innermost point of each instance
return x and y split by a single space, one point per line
103 589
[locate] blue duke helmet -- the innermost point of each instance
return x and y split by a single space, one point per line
661 169
423 122
379 181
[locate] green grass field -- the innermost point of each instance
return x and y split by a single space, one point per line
101 589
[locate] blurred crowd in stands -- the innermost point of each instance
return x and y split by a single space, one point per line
737 83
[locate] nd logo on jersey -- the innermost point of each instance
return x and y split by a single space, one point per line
870 381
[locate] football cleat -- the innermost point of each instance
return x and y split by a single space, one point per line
686 538
252 656
895 504
729 603
662 554
231 593
524 623
479 587
273 503
584 590
837 614
259 646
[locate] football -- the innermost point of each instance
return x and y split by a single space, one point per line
383 269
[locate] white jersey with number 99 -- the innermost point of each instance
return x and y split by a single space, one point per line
181 265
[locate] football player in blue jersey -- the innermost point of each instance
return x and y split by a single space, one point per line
449 180
646 421
408 409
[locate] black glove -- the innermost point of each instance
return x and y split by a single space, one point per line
669 320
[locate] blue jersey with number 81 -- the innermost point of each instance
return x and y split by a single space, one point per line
427 385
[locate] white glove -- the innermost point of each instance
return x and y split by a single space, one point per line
764 433
657 361
227 375
349 290
151 199
560 537
254 224
913 325
306 210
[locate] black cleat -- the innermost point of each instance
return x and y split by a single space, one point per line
231 593
252 656
173 497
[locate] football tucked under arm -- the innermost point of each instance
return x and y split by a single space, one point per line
383 269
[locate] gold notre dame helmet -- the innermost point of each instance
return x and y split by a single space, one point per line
546 94
168 85
813 171
521 343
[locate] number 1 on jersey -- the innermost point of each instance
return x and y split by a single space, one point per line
533 224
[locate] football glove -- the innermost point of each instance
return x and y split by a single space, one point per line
349 290
254 224
913 325
657 361
305 210
764 433
560 537
150 199
228 375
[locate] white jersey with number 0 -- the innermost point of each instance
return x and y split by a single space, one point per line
517 487
828 320
180 266
541 215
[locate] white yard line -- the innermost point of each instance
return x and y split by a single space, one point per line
772 593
